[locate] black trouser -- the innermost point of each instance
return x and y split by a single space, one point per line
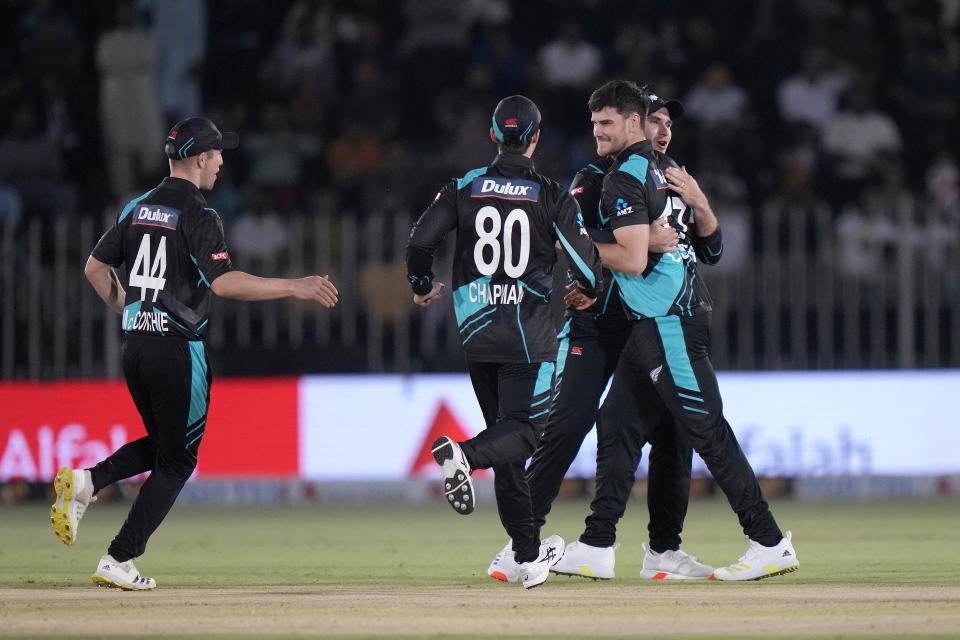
665 370
169 380
515 400
586 359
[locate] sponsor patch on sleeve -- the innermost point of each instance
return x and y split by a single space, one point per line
576 190
223 255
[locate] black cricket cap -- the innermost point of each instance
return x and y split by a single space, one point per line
515 120
193 136
673 107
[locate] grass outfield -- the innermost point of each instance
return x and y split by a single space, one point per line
867 570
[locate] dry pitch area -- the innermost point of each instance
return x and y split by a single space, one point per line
868 570
758 610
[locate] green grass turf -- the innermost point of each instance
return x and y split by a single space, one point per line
838 543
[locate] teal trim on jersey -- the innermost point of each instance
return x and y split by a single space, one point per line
203 324
653 295
129 315
595 168
199 390
719 251
577 260
463 306
695 410
130 205
472 333
606 301
469 176
528 288
475 319
675 349
636 166
203 278
694 398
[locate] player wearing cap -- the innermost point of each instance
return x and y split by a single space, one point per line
590 344
508 220
664 371
171 248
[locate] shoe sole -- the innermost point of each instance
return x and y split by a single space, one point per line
666 575
60 515
580 573
499 575
457 485
778 572
104 581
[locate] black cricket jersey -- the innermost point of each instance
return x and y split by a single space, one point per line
171 246
606 315
508 220
636 191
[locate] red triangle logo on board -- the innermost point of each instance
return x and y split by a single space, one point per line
444 423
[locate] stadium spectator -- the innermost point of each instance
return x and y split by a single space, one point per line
811 96
179 69
130 117
859 142
716 101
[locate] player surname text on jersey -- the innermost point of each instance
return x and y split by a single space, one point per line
155 321
495 293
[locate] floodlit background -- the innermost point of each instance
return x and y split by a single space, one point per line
825 134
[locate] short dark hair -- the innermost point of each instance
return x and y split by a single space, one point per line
625 96
514 146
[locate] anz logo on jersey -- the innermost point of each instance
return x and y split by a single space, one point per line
512 189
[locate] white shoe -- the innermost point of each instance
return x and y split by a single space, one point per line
121 575
673 565
457 485
761 562
504 566
74 489
581 559
535 573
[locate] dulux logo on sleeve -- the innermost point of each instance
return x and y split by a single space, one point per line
157 215
505 188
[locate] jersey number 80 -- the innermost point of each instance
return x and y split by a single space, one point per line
489 216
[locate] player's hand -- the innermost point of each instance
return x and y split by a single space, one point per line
576 298
317 288
425 299
663 237
686 186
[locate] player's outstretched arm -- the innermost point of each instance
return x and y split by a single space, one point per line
105 282
244 286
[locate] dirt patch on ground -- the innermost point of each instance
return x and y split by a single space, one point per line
567 610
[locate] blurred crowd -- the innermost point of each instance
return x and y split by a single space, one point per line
792 106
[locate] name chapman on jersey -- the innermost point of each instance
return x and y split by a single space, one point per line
486 293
